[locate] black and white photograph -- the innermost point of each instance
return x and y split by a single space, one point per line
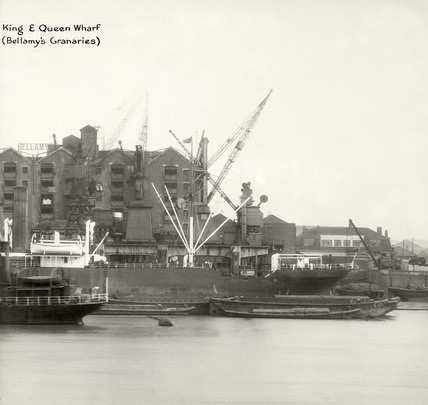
213 202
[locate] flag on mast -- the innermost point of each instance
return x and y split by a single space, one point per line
188 140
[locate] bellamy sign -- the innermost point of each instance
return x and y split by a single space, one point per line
33 146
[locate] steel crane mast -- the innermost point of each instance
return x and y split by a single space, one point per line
142 140
376 261
194 160
110 142
183 146
243 133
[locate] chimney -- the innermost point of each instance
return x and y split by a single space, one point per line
379 230
386 233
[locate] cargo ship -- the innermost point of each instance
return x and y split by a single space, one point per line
152 229
201 256
175 282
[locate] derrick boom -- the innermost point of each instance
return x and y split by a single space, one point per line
243 133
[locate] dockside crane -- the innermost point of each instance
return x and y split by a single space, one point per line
142 139
386 260
242 134
375 261
183 146
112 140
140 164
195 161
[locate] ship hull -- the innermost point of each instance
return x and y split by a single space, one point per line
410 294
308 281
297 313
367 308
196 285
170 283
66 314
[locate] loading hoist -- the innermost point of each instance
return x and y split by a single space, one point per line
242 134
113 138
382 262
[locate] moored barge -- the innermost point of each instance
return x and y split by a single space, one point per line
368 308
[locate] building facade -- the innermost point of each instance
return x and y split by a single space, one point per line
342 244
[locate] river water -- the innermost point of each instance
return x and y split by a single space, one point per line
208 360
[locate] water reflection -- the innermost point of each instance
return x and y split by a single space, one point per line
131 360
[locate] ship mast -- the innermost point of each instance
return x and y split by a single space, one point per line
191 245
188 243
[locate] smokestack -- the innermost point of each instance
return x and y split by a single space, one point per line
386 233
20 219
379 230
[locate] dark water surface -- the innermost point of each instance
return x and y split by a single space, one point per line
208 360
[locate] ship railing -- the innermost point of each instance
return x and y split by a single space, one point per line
315 266
61 242
57 300
156 266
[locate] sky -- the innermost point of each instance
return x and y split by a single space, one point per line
342 136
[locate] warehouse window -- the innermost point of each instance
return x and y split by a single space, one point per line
9 167
8 198
10 183
170 182
47 204
170 171
47 199
117 170
46 168
46 183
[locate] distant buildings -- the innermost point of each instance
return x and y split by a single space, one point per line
343 243
410 251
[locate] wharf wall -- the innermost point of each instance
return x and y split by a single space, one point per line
400 279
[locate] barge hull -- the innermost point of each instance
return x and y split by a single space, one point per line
66 314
